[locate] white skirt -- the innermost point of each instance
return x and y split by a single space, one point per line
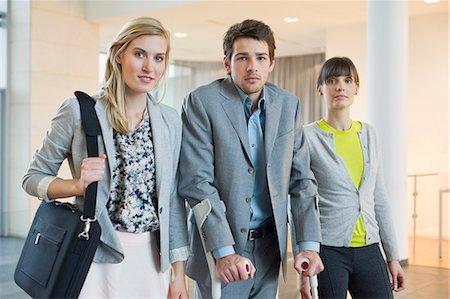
137 276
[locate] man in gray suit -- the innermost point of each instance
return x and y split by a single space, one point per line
243 151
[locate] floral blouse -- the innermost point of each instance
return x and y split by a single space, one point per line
133 186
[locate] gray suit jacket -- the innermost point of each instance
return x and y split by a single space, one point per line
66 140
215 164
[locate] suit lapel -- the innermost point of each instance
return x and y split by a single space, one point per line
110 151
160 144
235 112
107 132
273 114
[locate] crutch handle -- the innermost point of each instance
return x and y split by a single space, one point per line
304 265
247 267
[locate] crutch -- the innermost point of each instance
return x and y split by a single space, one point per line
201 212
304 265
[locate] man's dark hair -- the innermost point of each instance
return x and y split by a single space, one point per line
250 29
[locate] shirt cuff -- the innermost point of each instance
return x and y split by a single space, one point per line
223 251
43 186
309 245
179 254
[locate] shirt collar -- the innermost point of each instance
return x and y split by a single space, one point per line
246 101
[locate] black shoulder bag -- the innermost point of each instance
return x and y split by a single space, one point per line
62 240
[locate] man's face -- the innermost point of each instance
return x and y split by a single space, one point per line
250 65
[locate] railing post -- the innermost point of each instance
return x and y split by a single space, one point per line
441 195
415 195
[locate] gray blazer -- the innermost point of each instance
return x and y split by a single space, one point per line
341 202
215 164
66 140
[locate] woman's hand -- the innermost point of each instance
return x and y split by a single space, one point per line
398 276
92 170
177 286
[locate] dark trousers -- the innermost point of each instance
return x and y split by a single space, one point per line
265 256
361 270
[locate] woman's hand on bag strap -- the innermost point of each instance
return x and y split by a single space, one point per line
92 170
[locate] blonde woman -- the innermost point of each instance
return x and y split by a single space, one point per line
143 222
354 209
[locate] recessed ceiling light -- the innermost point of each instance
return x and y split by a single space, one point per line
290 19
431 1
180 34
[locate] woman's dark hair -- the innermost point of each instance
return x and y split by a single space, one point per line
251 29
337 66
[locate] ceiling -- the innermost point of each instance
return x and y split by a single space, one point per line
205 22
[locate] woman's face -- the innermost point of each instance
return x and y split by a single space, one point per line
143 63
338 92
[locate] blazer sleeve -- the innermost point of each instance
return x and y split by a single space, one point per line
178 239
55 148
303 188
382 210
196 182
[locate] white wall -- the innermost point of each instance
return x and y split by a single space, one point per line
426 111
58 56
350 41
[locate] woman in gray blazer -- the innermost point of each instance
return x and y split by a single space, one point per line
354 209
142 219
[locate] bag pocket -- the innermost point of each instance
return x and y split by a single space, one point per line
41 251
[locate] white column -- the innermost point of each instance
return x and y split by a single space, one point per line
19 84
387 48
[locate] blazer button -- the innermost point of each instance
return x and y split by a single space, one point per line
251 170
160 210
204 235
244 230
248 199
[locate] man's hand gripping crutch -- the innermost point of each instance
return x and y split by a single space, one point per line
308 288
230 268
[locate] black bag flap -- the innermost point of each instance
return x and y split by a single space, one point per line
49 232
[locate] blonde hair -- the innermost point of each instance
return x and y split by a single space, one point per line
114 86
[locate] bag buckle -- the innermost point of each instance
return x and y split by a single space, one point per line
87 226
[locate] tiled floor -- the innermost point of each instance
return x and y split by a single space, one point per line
424 282
426 253
9 254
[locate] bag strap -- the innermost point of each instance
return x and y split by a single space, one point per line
91 127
